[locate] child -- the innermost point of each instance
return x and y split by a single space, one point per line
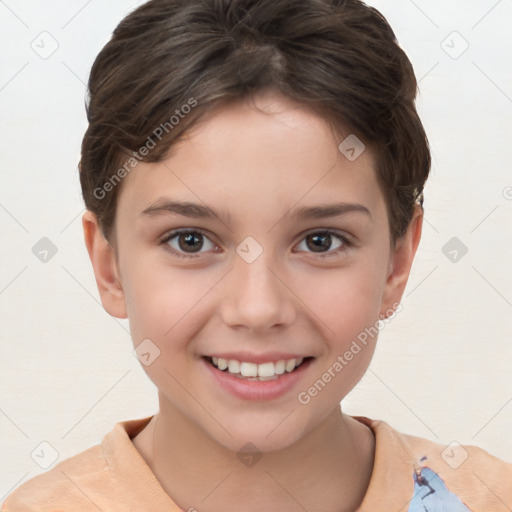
260 130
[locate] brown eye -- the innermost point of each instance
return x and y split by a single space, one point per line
187 241
321 242
318 242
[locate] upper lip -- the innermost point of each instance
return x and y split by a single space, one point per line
267 357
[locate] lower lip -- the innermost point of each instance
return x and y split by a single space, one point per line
255 389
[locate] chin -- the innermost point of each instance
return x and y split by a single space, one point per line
267 436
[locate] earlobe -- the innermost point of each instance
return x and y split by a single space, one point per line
401 262
105 267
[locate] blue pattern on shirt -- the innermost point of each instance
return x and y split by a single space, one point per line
431 495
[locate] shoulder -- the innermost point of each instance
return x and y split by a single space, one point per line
474 475
108 476
480 480
61 486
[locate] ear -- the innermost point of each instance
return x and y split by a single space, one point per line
402 256
105 267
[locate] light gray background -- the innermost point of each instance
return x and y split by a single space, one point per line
442 367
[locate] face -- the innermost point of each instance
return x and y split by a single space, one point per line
286 258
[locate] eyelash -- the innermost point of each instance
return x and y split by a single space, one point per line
173 234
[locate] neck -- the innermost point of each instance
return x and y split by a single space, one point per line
327 470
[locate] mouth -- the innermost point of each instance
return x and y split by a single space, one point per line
258 372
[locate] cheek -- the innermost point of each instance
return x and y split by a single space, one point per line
347 299
347 302
161 302
161 309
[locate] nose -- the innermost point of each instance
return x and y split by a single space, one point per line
256 297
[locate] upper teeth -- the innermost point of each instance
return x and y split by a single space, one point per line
256 370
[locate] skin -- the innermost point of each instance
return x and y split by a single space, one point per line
269 157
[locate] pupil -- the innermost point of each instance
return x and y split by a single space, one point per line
189 239
323 239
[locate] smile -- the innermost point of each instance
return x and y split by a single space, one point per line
252 371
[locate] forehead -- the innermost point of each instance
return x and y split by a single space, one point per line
256 156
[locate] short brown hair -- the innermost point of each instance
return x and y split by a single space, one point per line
339 57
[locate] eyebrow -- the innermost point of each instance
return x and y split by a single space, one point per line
198 211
